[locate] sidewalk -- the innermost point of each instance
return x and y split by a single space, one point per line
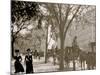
39 66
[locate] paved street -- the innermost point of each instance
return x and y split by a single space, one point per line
39 66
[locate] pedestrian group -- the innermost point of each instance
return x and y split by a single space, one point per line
28 62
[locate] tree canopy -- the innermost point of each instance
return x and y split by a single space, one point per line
22 13
22 9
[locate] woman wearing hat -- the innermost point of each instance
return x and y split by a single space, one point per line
17 64
28 61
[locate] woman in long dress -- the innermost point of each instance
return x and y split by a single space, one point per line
17 64
28 61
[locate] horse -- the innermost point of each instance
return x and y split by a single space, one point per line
83 59
88 58
91 60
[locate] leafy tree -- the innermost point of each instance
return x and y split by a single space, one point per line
21 14
62 16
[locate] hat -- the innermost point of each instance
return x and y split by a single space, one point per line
16 50
28 49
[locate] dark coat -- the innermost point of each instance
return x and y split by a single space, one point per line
18 65
29 65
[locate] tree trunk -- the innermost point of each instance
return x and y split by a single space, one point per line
61 65
45 53
12 47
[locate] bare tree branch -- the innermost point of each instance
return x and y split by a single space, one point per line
69 24
67 13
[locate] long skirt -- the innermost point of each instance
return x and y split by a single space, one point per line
18 67
29 67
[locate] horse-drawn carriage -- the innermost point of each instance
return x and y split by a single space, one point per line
83 56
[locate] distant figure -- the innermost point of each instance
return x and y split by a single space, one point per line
17 64
39 55
36 54
28 61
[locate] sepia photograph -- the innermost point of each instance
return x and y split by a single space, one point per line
52 37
